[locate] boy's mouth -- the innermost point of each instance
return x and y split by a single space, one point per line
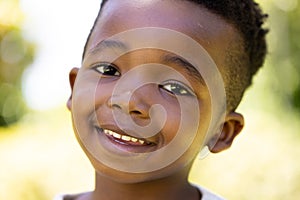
125 139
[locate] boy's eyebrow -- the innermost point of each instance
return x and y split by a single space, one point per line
170 58
114 44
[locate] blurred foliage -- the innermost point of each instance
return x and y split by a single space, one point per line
294 35
285 51
15 55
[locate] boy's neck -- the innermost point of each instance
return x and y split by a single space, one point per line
172 187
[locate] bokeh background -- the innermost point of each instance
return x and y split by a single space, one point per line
40 41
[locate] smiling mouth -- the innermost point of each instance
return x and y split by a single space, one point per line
125 139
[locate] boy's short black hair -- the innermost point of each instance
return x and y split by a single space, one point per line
243 58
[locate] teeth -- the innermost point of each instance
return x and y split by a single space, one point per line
141 141
116 135
125 138
134 139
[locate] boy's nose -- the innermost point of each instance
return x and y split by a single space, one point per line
136 103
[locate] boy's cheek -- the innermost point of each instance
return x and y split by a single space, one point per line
83 97
88 89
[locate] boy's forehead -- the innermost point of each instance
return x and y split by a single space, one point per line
208 29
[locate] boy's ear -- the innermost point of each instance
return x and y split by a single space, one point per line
234 123
72 77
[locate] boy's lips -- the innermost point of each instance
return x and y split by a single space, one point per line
126 139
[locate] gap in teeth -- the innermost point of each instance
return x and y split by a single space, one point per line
125 138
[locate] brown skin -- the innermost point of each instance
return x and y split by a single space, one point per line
209 30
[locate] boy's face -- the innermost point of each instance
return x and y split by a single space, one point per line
143 103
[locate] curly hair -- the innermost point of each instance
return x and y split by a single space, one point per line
245 57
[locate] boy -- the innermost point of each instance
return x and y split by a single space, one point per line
160 82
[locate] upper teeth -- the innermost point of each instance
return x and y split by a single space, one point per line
125 138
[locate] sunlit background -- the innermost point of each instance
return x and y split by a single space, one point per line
40 41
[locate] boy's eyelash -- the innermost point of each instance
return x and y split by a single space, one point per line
171 86
177 88
107 69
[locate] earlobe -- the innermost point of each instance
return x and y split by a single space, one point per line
72 77
233 125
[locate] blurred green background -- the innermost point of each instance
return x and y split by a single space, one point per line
39 156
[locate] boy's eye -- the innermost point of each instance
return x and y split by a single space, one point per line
107 69
177 88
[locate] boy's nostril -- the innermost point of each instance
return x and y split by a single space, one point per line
116 106
136 112
120 107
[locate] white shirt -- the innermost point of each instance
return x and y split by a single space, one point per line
208 195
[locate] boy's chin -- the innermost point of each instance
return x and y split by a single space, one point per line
176 169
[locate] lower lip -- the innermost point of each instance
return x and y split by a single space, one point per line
130 147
